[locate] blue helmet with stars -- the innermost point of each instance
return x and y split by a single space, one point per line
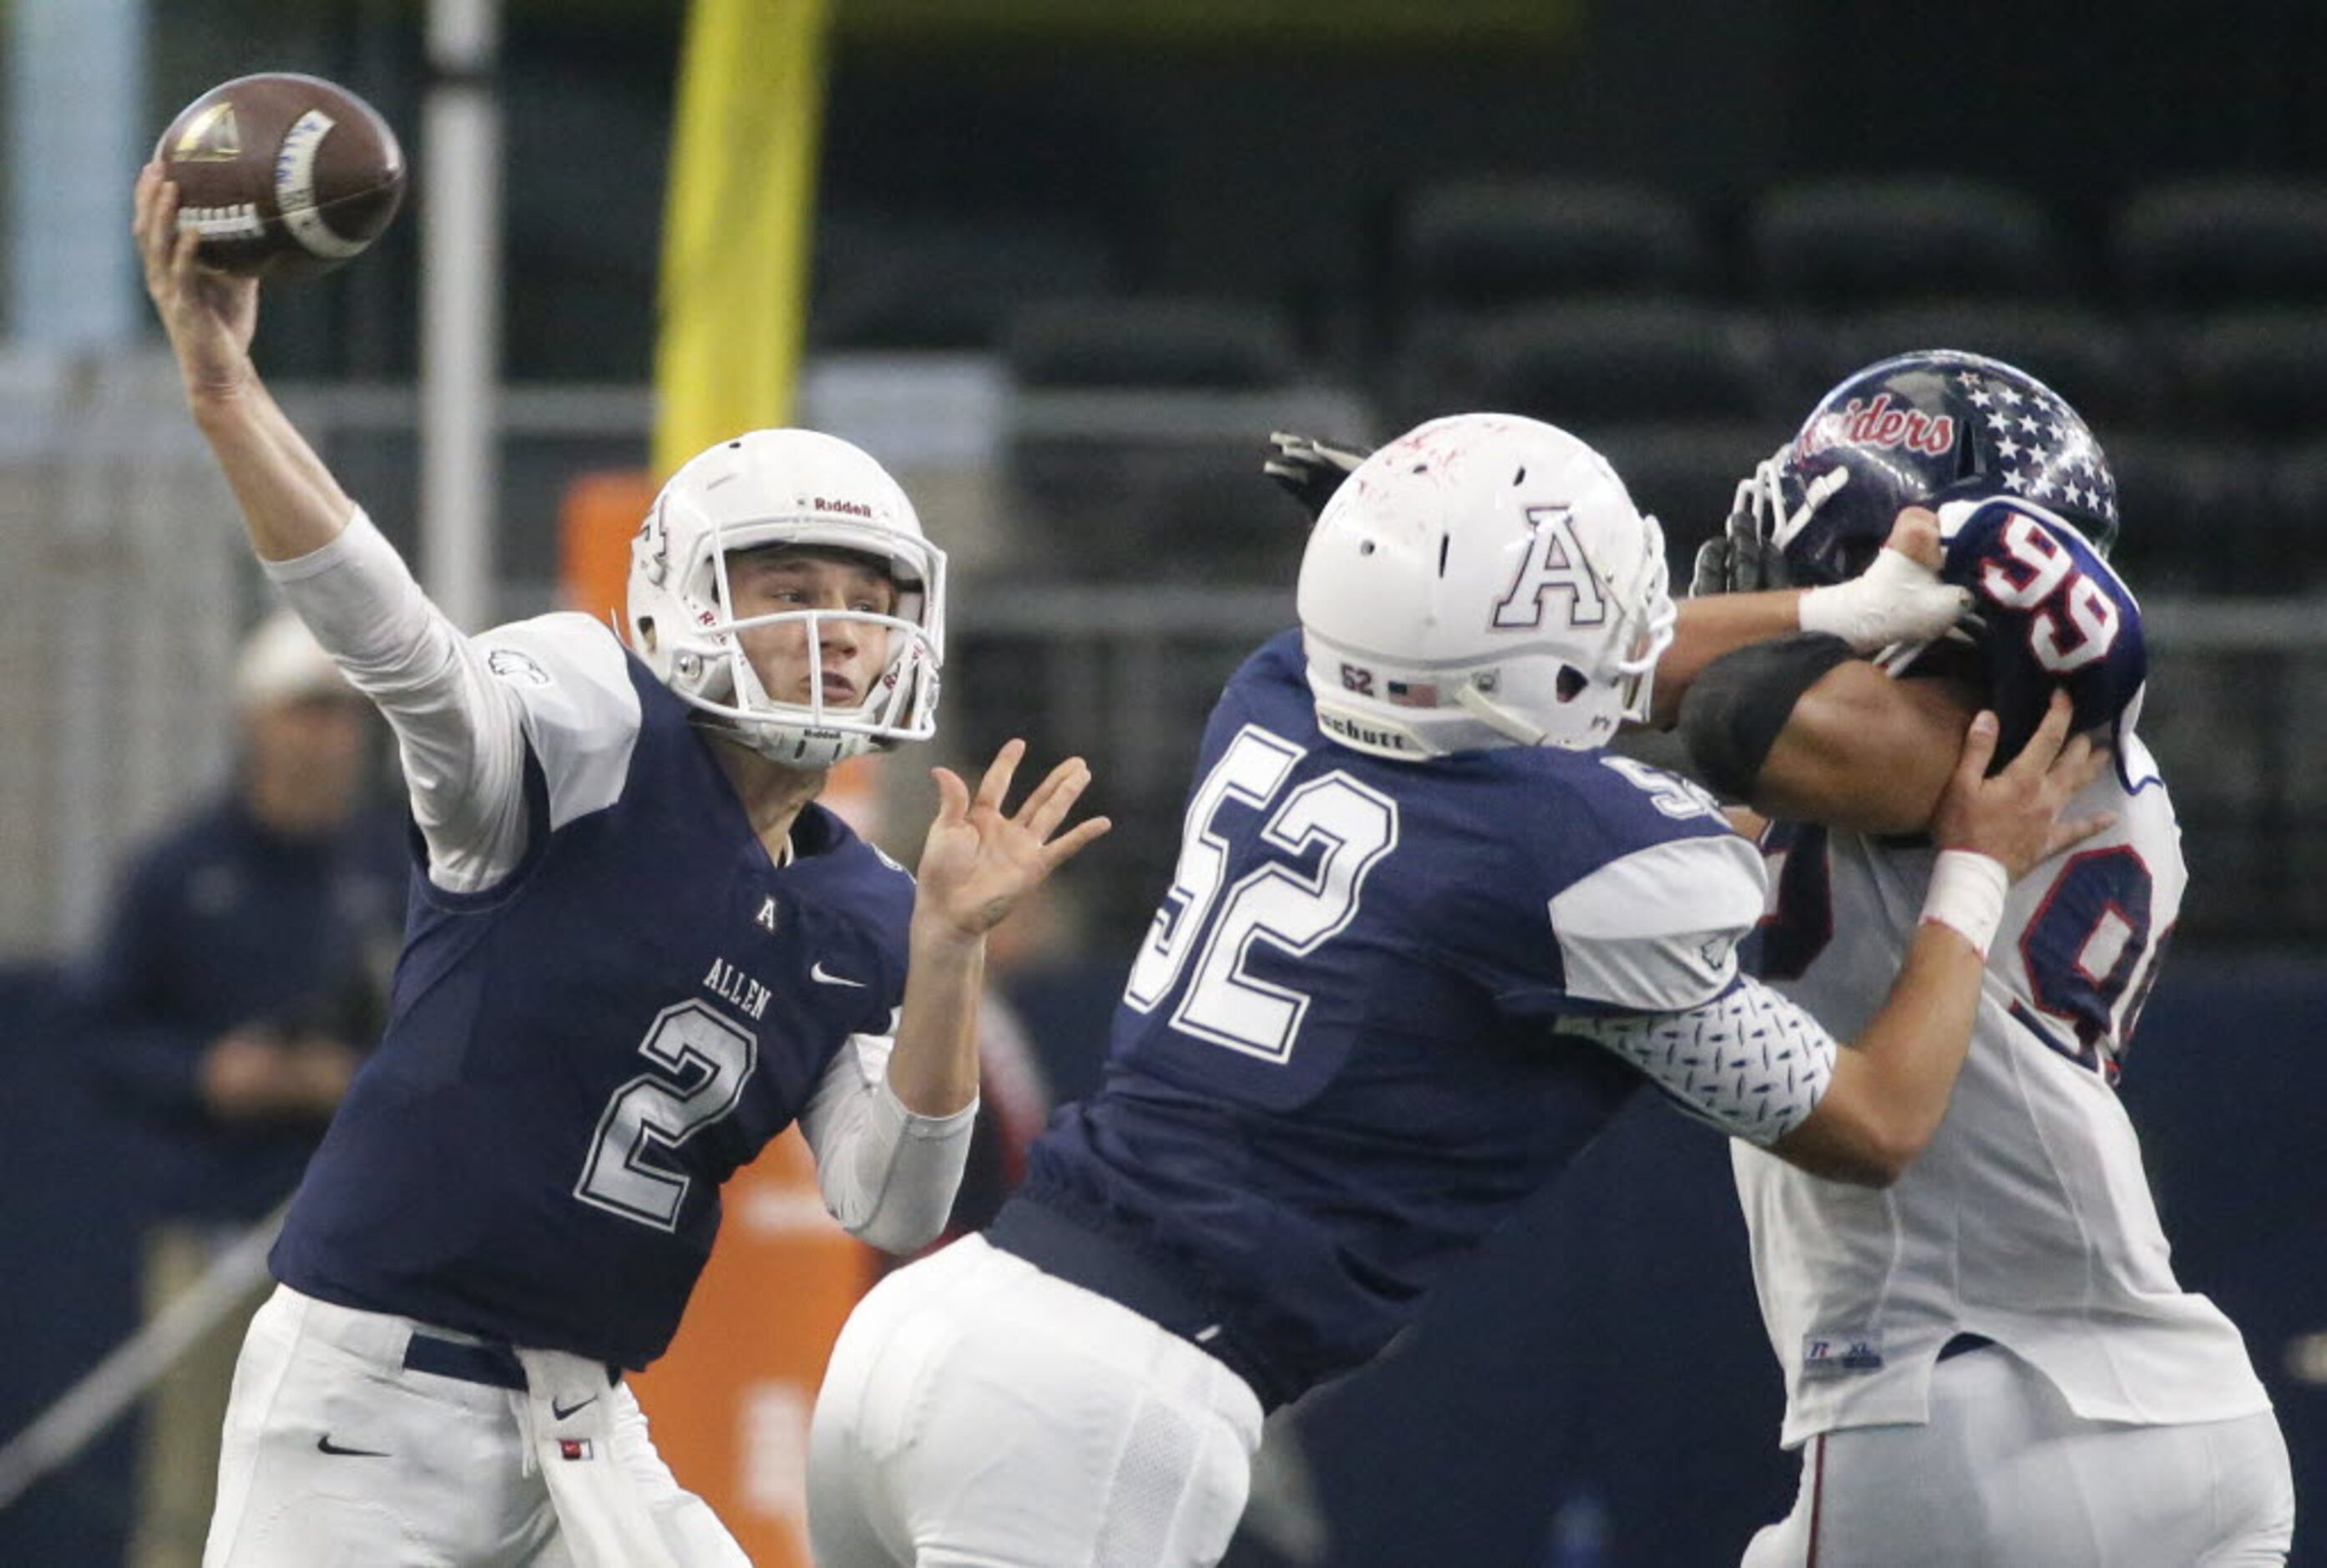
1925 428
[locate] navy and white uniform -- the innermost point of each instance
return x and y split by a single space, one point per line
610 996
595 1043
1368 1023
2121 1422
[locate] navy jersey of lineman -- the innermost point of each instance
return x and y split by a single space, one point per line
1336 1067
578 1056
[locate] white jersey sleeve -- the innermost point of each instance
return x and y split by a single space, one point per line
1657 931
466 710
886 1174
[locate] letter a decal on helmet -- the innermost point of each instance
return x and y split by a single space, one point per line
1554 561
1427 575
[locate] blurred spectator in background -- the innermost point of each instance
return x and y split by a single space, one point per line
234 989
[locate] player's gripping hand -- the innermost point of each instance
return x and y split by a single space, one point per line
979 860
209 316
2014 817
1310 471
1899 600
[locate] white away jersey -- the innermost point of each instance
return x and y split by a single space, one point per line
2029 1219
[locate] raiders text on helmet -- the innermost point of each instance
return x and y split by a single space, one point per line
1928 427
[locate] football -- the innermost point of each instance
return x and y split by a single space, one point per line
283 175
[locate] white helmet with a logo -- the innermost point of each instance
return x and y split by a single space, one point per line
1482 581
785 488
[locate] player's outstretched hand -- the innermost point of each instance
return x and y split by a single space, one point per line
209 316
2014 816
978 861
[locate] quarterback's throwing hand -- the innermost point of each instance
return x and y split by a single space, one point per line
977 862
210 317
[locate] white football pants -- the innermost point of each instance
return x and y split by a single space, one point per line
2005 1475
978 1411
336 1454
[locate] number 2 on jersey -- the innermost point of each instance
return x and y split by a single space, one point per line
1207 932
649 1112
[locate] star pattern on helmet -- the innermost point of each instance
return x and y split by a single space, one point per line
2042 448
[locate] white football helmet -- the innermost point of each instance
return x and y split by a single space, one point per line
775 488
1482 581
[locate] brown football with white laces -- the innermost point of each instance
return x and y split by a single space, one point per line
284 175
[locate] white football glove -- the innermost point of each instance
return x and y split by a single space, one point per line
1896 601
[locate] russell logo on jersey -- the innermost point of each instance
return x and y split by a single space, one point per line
1838 1355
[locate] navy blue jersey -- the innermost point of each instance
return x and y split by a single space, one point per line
1336 1065
577 1057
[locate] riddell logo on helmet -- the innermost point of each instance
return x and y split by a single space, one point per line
852 508
1877 424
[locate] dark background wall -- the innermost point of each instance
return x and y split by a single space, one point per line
1273 168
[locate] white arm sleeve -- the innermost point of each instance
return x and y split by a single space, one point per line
458 730
887 1175
463 708
1752 1063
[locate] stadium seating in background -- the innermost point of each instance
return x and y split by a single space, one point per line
1613 362
1470 255
2196 517
1676 394
2195 245
2240 489
1819 253
2079 353
1685 475
1182 344
2259 373
900 284
1835 246
1484 243
2295 486
1135 435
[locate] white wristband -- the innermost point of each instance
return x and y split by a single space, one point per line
1967 895
1895 600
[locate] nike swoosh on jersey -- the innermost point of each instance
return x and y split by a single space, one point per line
562 1411
817 972
324 1444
